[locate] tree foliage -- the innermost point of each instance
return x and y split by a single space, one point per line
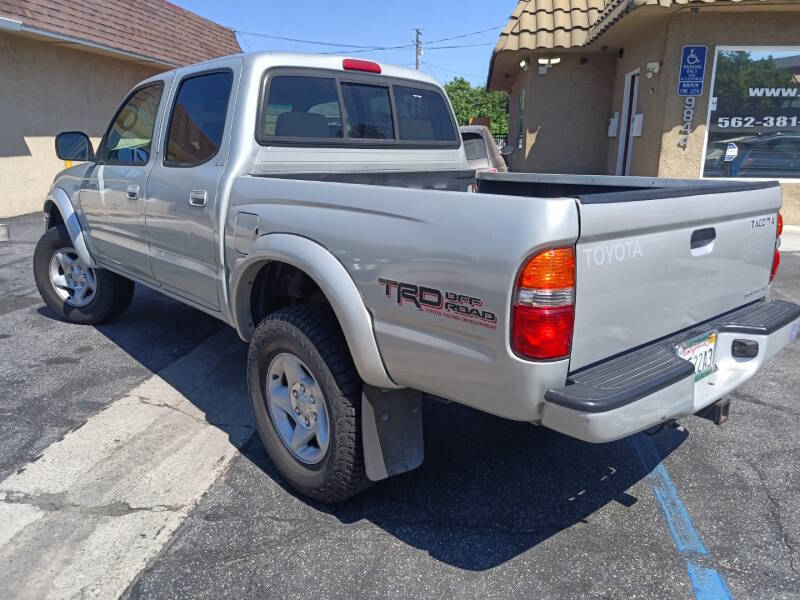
737 72
469 101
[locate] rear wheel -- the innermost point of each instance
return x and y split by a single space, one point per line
306 396
75 291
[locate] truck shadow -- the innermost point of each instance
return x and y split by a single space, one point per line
489 489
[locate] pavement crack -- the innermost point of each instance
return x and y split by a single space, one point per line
157 404
50 502
774 513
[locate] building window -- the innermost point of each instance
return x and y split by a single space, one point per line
521 121
754 114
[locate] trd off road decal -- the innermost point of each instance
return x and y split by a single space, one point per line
452 305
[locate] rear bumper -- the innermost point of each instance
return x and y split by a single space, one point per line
650 385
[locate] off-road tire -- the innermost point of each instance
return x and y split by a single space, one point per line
114 293
312 333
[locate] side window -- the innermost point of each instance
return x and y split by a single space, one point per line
306 107
197 121
369 111
422 115
131 134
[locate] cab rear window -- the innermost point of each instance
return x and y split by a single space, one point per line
422 115
335 110
303 107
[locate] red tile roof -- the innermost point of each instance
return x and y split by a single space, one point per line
153 28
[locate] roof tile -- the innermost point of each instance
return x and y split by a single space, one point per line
543 24
153 28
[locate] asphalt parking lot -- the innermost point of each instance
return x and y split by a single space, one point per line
128 467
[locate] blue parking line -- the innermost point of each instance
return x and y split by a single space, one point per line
708 585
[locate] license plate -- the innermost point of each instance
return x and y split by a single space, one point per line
700 352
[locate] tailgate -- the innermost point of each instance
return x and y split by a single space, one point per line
654 262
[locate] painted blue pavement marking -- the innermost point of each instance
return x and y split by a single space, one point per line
708 585
678 519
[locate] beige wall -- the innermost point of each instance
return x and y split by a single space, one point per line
47 89
645 47
566 115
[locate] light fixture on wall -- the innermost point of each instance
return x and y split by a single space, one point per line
651 70
523 64
545 62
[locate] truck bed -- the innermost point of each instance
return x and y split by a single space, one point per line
597 189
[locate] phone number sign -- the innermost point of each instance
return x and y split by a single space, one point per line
693 70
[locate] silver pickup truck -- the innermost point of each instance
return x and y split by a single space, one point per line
323 207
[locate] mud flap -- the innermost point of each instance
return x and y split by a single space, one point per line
391 431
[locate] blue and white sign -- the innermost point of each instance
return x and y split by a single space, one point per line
693 69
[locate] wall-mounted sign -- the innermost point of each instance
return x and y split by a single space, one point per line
693 69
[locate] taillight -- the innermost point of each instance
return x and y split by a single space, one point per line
543 311
776 259
776 262
355 64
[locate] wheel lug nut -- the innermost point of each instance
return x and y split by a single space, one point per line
302 389
308 423
294 393
311 399
297 410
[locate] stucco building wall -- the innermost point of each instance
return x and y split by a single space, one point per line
48 89
567 110
568 135
645 46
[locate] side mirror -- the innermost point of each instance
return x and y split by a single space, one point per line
507 150
74 145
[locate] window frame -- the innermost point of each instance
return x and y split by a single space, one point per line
123 104
711 90
340 77
193 75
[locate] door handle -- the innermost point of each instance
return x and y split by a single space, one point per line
703 237
197 197
133 192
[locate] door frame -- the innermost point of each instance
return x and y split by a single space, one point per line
626 116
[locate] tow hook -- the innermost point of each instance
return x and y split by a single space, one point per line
717 412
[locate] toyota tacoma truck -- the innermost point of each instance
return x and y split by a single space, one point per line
323 207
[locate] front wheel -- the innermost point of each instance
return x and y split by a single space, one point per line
306 396
72 289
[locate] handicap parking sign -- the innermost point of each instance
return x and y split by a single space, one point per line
693 69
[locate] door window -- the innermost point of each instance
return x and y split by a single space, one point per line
197 121
130 135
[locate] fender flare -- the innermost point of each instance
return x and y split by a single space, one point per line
60 198
334 281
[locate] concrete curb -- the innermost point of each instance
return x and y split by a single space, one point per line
790 239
